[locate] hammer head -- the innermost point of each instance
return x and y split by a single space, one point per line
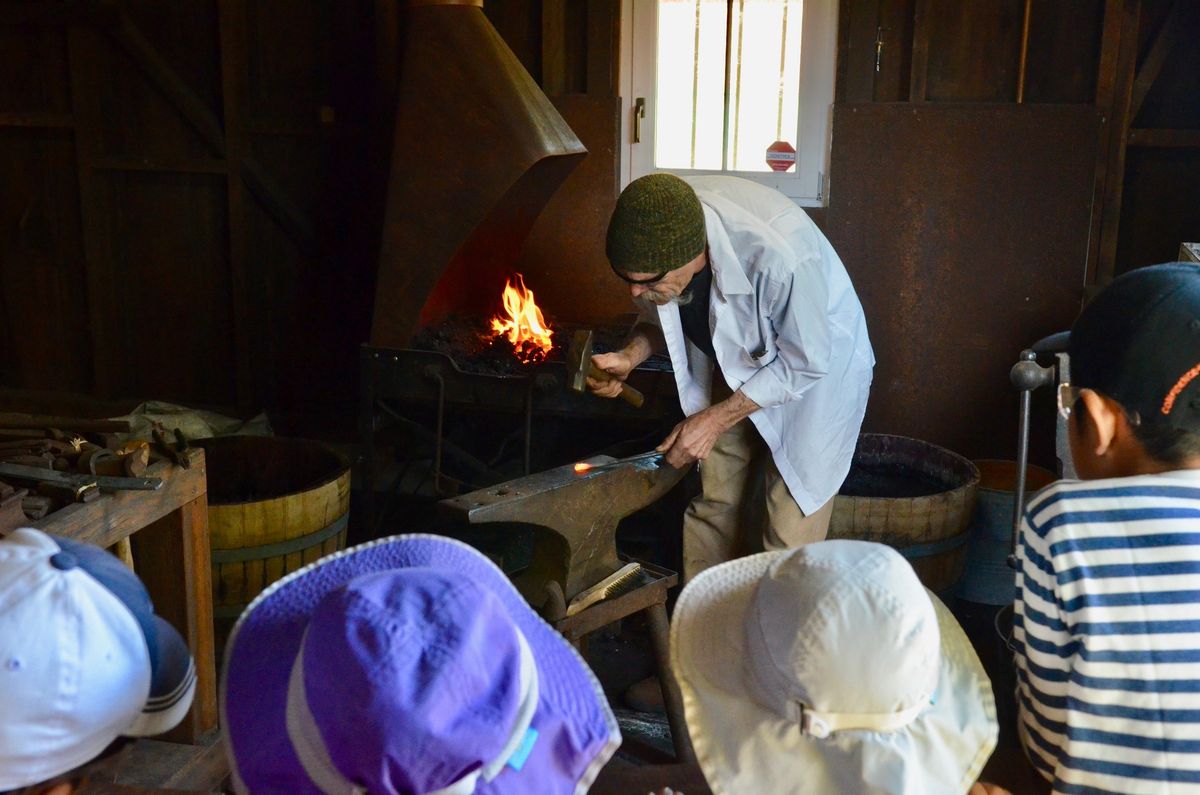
579 360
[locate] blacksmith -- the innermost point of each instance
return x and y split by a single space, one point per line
770 351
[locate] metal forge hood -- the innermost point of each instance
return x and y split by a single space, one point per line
478 151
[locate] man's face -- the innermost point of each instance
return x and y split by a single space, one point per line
667 289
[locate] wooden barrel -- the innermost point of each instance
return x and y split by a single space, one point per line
914 496
274 505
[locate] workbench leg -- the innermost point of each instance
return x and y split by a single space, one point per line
656 616
172 558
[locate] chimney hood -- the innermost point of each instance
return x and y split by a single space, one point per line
477 153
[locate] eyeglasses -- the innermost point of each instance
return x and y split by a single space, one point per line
1067 395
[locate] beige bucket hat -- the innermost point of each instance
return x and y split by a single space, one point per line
829 669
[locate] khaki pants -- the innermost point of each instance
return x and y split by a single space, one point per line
745 506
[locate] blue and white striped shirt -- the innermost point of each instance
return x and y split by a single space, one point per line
1107 634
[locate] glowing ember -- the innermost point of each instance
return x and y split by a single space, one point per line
524 327
582 467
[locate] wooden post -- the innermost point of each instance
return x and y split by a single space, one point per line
172 557
920 51
1114 83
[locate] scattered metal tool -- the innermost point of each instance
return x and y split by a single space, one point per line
580 368
175 452
79 484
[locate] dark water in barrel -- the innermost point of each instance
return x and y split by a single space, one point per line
889 480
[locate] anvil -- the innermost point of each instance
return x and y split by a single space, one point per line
574 510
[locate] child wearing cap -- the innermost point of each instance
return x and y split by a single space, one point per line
1107 615
408 666
84 663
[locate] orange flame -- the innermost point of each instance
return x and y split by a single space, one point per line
582 467
524 327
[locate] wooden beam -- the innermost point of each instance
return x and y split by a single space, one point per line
195 165
1172 139
164 77
920 51
290 217
1114 83
554 54
1164 41
234 59
37 120
1118 133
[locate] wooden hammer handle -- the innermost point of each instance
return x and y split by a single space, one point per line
630 395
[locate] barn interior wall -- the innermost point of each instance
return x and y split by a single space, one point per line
193 190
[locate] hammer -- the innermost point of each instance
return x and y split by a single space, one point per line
580 367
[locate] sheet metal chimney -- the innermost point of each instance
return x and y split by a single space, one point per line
478 151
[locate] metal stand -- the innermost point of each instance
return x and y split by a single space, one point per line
649 597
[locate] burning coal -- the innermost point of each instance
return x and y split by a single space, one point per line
524 327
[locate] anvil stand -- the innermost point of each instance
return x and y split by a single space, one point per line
650 597
574 511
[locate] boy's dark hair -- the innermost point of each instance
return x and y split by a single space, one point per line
1172 446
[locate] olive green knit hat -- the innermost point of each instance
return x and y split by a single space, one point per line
657 226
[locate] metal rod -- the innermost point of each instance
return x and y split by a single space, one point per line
529 425
1024 51
1022 465
441 416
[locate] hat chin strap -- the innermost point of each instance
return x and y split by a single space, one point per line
314 755
814 723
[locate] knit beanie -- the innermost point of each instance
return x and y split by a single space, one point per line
657 226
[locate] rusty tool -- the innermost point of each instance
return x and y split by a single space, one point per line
580 368
78 483
574 511
176 452
42 421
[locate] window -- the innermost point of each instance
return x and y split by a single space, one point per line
723 86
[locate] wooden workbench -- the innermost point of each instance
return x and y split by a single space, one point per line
168 530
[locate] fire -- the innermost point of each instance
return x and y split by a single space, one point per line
524 327
582 467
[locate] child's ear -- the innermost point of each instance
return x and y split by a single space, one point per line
1102 418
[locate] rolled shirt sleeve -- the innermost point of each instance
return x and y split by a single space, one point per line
799 321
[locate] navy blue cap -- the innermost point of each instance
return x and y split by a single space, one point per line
1138 342
172 671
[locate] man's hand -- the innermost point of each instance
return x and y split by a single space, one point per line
619 365
693 439
980 788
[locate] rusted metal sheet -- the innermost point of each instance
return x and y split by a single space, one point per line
965 231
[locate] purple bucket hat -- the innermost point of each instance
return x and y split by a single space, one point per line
408 665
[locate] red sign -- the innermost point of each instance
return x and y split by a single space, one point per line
781 156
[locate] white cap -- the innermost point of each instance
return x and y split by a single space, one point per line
83 660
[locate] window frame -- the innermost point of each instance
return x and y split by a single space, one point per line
808 184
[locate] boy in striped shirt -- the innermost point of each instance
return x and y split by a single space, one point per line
1107 618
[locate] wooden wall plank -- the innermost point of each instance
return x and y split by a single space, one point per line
919 65
554 56
44 338
974 49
